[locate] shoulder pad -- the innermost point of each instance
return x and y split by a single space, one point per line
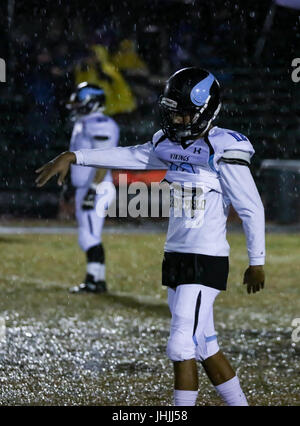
225 140
158 137
78 126
230 147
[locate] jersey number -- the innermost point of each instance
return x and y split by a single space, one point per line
238 136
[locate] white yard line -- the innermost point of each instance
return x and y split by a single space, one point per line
32 280
139 228
12 230
8 230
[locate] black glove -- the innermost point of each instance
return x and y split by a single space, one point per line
88 202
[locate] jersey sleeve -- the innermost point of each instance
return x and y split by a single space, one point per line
137 157
239 187
79 139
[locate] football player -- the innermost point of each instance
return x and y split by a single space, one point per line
213 162
93 130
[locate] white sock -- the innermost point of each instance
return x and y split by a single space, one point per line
185 398
231 392
97 270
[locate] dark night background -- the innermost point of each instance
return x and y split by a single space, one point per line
43 43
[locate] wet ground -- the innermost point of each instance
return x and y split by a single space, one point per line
62 349
119 359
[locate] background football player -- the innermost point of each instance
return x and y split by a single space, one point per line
92 129
196 154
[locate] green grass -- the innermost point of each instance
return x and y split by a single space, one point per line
134 266
117 341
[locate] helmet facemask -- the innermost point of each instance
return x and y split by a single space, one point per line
182 125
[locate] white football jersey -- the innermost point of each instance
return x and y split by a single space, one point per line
215 164
92 131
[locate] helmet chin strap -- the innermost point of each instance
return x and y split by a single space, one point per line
206 128
210 121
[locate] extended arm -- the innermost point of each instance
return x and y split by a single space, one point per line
137 157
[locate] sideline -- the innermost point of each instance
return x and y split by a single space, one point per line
13 230
155 228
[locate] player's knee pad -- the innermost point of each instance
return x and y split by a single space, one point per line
206 346
180 347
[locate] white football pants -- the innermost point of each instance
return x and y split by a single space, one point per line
90 223
192 331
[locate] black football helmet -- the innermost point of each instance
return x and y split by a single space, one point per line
87 98
190 92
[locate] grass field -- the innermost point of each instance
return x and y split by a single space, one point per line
64 349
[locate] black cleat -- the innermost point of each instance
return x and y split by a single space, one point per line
88 287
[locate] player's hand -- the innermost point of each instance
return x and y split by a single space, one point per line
254 278
89 200
59 165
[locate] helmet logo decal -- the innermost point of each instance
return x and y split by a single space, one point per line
169 102
200 93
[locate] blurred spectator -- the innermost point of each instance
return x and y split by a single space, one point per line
136 72
96 68
127 58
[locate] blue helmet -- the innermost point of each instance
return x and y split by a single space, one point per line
87 98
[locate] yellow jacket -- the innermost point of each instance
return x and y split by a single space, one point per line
119 98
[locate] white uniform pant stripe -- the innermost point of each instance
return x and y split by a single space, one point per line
197 309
